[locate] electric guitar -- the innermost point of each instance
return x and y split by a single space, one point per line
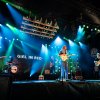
65 57
97 63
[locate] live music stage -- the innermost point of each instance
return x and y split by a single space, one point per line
30 89
57 39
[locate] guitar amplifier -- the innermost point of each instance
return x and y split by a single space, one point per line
78 77
47 71
78 74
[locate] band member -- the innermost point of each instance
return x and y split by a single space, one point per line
64 65
9 62
97 66
13 65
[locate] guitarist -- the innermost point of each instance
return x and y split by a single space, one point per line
97 66
64 67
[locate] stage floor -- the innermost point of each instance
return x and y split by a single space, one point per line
53 81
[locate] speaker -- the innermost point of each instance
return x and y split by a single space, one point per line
4 86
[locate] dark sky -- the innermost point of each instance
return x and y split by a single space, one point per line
65 9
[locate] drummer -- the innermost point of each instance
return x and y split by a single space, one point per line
13 61
10 61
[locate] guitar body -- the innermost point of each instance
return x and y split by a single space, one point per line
65 57
97 63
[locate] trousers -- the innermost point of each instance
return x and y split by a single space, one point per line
64 70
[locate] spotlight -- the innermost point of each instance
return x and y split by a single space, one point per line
83 25
6 3
95 29
91 29
0 37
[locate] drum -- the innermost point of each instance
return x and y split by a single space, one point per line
41 77
14 69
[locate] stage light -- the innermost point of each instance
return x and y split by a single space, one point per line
6 3
0 37
95 29
9 50
15 13
91 29
80 33
71 43
83 25
41 29
98 30
65 38
87 26
58 41
80 42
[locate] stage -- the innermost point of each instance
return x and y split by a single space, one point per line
72 89
32 89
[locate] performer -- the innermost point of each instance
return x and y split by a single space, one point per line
9 62
15 61
64 66
13 65
97 66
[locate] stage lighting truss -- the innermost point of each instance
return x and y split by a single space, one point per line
38 28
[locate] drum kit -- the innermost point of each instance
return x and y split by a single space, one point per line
13 68
10 67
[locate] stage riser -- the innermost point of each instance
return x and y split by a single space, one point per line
57 89
26 90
